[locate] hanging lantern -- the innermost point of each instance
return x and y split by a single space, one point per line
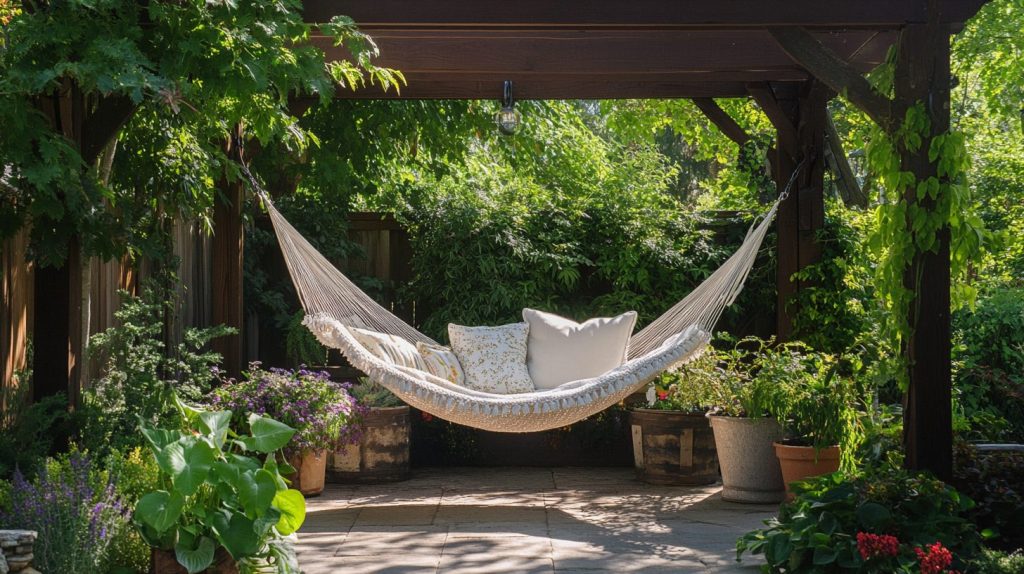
507 119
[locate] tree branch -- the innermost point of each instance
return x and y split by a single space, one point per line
834 72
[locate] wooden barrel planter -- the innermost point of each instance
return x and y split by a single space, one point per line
382 454
673 448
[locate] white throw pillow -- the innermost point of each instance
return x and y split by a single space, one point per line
561 350
442 362
389 348
493 358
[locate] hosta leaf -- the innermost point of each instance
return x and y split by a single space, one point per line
293 510
159 509
198 559
269 435
256 491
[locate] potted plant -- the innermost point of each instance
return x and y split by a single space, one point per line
742 423
322 412
672 439
382 452
223 504
816 406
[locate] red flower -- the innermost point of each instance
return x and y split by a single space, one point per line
427 417
875 545
935 559
662 395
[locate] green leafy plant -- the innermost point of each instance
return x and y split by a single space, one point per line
995 562
300 344
140 373
371 394
692 387
995 481
747 378
29 431
221 489
818 531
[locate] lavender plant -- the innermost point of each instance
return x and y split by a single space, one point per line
76 515
323 413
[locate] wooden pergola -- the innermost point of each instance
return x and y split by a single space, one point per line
791 56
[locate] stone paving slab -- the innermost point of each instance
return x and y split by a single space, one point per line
524 520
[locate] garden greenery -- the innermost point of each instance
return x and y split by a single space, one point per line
221 489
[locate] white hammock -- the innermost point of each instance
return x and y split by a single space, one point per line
332 303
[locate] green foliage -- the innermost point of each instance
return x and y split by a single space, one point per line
301 344
995 481
141 373
691 388
220 489
193 70
29 431
995 562
370 393
989 355
133 473
817 531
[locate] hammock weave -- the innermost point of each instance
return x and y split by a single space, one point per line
333 303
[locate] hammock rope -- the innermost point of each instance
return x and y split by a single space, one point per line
333 303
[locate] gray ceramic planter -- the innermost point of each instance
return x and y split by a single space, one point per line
750 469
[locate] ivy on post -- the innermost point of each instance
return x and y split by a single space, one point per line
923 241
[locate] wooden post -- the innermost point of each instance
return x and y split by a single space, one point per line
799 120
226 282
922 75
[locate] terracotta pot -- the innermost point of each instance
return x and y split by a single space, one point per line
382 454
673 448
310 468
750 469
164 562
800 462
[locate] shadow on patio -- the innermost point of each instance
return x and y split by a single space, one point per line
524 520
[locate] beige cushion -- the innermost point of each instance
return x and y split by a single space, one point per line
442 362
389 348
493 358
561 350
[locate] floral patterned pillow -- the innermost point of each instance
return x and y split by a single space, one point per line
389 348
493 358
442 362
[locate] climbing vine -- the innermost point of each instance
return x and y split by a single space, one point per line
910 216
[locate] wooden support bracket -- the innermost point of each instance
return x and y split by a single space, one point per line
834 72
765 98
722 120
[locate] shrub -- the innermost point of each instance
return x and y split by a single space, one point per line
989 378
370 393
76 511
133 474
895 514
995 562
322 412
995 481
29 432
140 374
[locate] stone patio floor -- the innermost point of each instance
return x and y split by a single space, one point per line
524 520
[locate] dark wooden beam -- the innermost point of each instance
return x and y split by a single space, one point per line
922 75
835 72
427 86
722 120
609 52
637 13
849 188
